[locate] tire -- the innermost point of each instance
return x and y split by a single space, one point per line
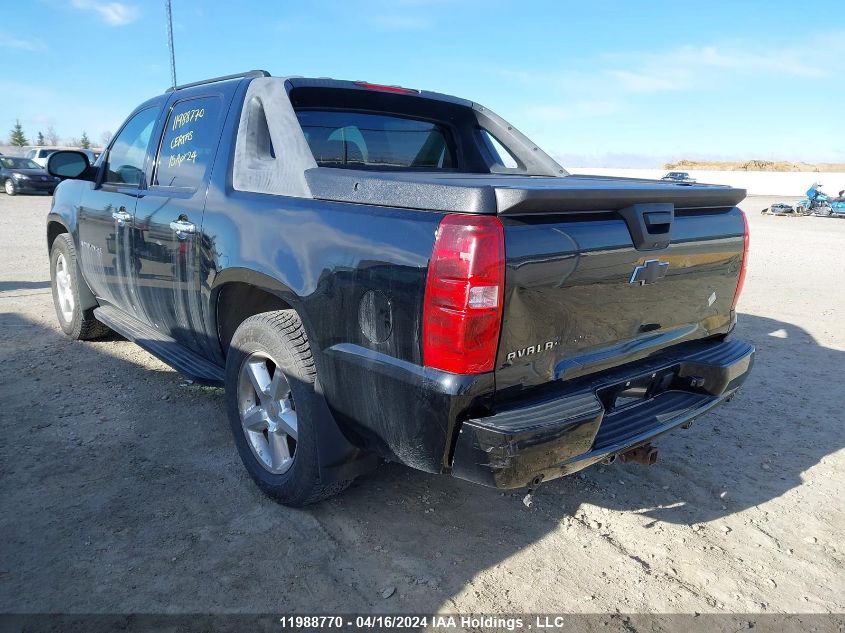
10 188
270 376
77 323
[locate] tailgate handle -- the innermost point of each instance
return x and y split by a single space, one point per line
650 224
656 221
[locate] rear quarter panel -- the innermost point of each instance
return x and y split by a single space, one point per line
344 268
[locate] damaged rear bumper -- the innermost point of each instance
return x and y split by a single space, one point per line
559 435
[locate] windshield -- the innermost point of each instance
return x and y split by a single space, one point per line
18 163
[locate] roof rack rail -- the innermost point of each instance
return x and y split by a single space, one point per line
249 73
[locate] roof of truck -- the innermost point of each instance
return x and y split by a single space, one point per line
297 81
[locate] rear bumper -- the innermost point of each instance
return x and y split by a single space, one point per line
398 410
596 418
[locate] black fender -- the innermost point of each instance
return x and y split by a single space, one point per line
339 457
257 279
63 216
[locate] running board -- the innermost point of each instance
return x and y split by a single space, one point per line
166 349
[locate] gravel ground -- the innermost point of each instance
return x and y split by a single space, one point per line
120 488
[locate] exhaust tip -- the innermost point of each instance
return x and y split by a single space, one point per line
645 455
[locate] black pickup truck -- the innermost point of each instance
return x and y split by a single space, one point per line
380 273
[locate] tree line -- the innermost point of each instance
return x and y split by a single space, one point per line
17 138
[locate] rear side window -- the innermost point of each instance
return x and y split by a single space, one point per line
356 140
189 143
501 154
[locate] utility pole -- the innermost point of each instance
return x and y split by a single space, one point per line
170 42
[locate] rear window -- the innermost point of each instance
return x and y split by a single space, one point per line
339 138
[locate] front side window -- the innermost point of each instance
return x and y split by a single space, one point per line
126 157
189 143
340 138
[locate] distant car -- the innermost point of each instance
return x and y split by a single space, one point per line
23 175
40 154
678 176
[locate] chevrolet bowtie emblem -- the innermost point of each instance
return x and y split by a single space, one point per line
649 271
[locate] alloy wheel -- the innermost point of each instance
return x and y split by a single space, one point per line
64 288
267 411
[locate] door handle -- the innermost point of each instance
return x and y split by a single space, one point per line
183 226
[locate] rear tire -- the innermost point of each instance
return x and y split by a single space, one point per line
65 282
270 396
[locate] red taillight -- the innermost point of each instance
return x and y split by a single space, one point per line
382 88
462 313
744 265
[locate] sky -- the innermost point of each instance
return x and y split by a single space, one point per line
594 83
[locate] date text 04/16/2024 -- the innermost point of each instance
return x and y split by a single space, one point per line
509 623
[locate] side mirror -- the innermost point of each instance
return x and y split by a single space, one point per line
70 164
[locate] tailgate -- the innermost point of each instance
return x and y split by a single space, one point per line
581 297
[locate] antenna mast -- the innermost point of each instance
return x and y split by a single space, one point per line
170 42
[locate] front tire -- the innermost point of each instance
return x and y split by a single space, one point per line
65 281
270 396
10 188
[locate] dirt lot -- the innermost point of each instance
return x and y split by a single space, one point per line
120 488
